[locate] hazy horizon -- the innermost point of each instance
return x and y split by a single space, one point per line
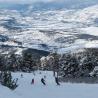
34 1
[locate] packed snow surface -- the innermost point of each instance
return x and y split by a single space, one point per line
51 90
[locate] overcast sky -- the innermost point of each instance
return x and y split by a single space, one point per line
25 1
32 1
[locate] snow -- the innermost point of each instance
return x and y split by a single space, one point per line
92 44
51 90
86 14
91 31
19 51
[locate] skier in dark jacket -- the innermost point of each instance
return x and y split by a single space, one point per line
43 81
57 81
32 82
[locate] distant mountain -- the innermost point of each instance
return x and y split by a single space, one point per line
54 5
68 4
50 30
19 7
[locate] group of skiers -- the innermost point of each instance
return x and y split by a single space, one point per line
44 82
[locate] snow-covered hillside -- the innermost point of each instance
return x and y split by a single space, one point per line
51 90
58 30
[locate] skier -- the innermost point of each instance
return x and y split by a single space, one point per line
57 81
21 75
44 76
43 81
32 82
